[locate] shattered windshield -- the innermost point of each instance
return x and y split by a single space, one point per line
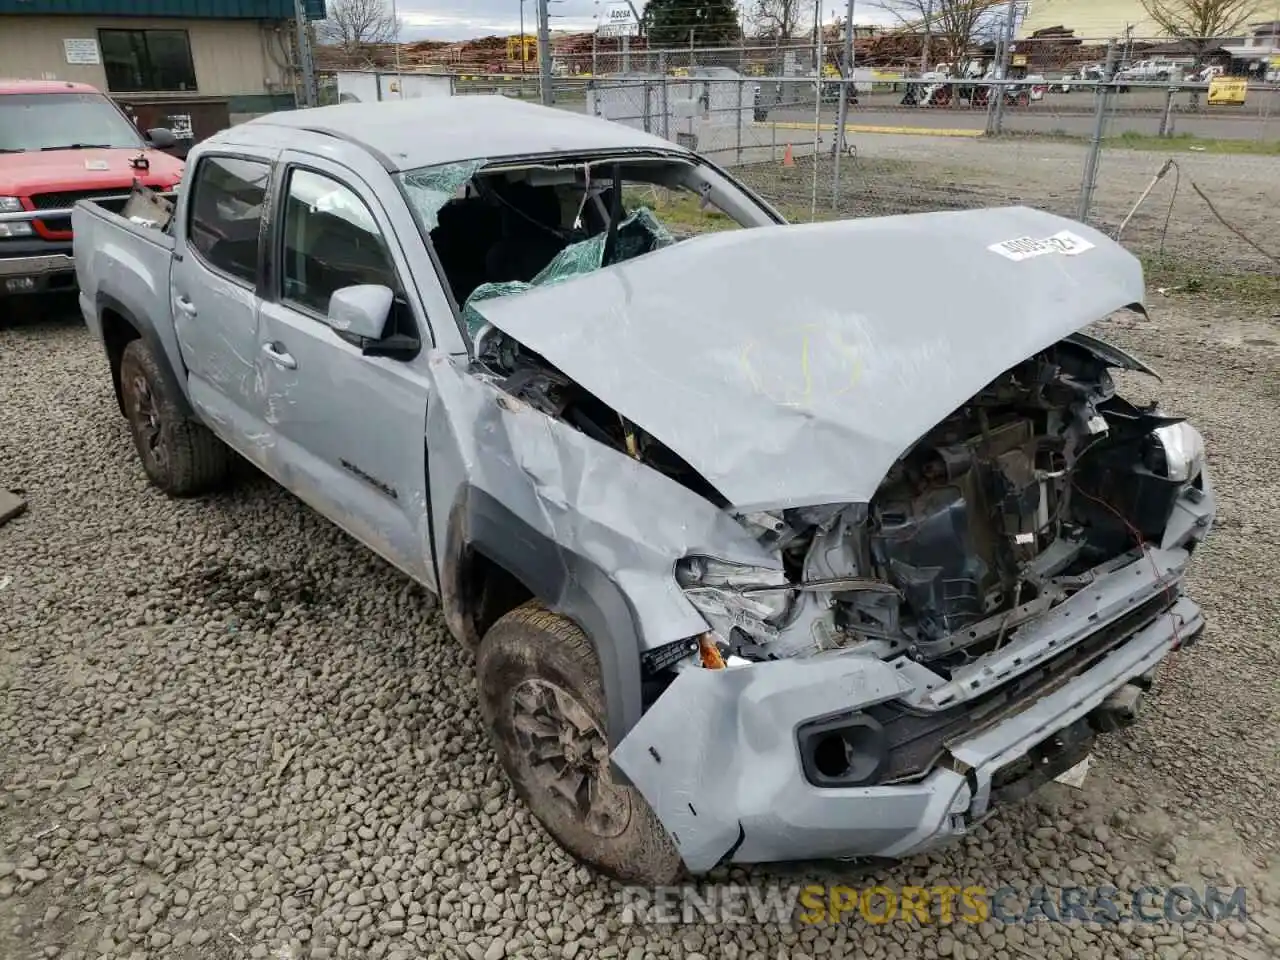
499 230
430 188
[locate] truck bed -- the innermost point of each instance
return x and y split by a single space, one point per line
123 268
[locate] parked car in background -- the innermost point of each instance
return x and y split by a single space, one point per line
744 584
1151 70
1085 73
61 142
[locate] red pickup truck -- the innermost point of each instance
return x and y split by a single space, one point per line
61 142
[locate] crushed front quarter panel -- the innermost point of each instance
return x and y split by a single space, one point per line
583 494
626 518
793 365
591 524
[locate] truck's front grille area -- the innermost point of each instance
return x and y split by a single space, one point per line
113 199
914 741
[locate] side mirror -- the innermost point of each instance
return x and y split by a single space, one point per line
360 311
162 138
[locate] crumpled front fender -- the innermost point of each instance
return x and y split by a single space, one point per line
592 532
690 753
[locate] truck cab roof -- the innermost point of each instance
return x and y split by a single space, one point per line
408 134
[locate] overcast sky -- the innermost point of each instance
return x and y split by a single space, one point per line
464 19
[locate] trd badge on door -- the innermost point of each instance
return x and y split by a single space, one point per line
371 480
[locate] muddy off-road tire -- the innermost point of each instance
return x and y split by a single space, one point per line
543 702
180 456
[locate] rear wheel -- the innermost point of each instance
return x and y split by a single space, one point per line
179 455
543 701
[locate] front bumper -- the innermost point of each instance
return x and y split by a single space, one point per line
46 270
716 756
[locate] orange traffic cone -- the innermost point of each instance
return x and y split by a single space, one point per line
787 159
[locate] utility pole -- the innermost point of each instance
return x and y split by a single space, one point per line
1102 93
306 64
817 107
1006 57
395 18
522 46
544 53
924 47
846 90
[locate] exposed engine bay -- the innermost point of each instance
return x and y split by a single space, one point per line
991 519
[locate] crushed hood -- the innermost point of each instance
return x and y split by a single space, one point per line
793 365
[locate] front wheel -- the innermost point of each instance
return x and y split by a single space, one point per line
543 701
180 456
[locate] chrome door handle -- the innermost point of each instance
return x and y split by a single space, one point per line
277 356
184 305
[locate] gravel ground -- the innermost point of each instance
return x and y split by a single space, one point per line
230 731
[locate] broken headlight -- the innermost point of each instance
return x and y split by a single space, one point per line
734 594
1176 452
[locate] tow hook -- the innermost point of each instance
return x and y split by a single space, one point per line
1119 710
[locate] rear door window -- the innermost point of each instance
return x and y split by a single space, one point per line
224 227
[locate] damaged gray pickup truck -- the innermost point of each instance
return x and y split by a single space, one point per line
768 551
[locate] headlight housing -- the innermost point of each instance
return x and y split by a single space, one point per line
10 205
15 228
735 594
1181 448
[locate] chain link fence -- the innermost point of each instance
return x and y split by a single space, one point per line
1160 162
1176 153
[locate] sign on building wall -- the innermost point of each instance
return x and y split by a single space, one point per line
180 126
82 52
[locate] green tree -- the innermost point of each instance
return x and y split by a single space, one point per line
709 23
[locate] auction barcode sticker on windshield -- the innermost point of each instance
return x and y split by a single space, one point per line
1065 243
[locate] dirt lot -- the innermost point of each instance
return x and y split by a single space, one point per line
909 174
230 731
